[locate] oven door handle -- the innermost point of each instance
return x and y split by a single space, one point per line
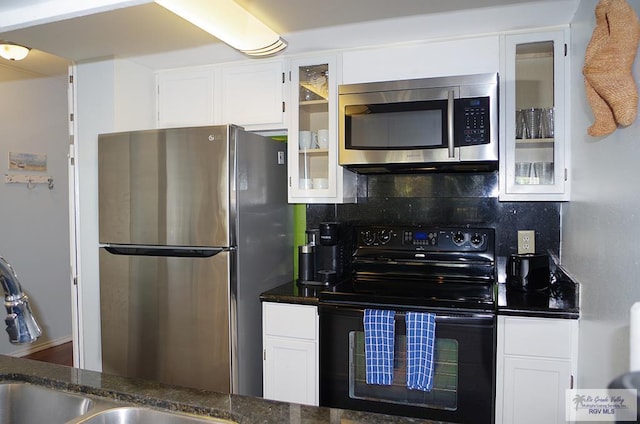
472 318
484 320
442 316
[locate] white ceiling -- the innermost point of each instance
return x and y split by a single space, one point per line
287 16
150 30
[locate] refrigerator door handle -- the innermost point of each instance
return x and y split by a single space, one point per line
188 252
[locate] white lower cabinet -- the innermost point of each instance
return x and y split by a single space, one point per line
536 363
290 352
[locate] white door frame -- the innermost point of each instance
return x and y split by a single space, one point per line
76 309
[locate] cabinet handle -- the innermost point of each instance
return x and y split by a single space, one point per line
450 124
264 358
571 384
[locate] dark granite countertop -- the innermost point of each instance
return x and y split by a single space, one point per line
292 292
561 300
242 409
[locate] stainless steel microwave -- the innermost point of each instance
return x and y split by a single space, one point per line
445 123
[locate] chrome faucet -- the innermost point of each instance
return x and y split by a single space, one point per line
21 325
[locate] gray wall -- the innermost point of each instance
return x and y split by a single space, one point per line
34 223
600 226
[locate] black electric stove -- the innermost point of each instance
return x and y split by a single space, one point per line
449 272
420 267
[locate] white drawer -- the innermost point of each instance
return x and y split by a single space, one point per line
290 320
538 337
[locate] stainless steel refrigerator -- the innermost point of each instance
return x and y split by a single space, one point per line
194 225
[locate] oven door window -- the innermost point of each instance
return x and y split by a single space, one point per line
444 394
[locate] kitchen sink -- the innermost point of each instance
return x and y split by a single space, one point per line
139 415
22 403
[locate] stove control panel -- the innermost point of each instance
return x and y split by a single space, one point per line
423 238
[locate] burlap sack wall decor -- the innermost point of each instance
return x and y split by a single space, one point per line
611 89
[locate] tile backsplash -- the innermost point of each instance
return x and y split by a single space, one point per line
446 199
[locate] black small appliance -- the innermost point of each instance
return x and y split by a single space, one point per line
324 260
528 272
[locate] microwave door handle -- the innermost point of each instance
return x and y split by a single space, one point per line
450 124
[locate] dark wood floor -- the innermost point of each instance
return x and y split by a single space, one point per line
61 354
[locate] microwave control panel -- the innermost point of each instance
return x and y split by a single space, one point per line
472 121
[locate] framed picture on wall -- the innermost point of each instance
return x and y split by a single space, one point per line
27 161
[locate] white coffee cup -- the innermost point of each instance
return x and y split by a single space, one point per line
320 183
306 183
304 139
323 138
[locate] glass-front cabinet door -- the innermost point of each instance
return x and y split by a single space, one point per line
314 173
534 143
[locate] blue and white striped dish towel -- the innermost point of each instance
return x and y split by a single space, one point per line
421 335
379 335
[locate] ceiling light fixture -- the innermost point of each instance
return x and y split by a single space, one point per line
230 23
11 51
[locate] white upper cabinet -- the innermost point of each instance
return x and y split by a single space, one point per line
314 173
186 97
477 55
534 133
251 95
278 95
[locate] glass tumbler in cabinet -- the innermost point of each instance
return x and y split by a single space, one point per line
313 128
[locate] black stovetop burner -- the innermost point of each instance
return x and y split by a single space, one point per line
418 266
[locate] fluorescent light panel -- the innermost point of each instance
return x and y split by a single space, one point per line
230 23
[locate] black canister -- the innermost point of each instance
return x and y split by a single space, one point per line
528 272
306 262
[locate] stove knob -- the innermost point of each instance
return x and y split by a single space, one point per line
368 237
384 236
477 239
458 238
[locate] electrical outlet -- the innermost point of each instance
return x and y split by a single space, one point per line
526 241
